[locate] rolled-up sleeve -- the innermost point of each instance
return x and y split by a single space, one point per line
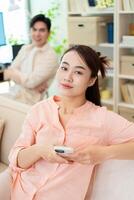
17 61
118 129
26 139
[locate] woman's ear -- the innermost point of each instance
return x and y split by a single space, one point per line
92 81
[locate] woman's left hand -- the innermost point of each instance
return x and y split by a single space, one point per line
92 154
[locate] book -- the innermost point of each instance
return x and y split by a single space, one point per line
131 91
125 93
126 5
131 5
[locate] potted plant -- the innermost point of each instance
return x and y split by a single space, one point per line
105 3
53 13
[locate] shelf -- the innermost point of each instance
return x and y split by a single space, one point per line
111 45
121 45
126 105
114 51
93 11
108 102
122 76
126 12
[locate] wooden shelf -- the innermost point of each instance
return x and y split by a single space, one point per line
123 76
93 11
111 45
126 12
126 105
121 45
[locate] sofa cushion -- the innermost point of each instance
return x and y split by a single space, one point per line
13 113
1 127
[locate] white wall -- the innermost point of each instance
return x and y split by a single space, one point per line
61 22
15 19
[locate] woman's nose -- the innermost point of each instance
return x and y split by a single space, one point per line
68 78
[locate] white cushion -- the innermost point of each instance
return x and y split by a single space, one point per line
13 113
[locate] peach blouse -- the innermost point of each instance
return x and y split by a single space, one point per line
89 124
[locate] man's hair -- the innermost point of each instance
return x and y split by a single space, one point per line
41 18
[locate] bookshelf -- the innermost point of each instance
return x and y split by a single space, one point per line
100 18
120 51
125 59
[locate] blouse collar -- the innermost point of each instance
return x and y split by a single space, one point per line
81 108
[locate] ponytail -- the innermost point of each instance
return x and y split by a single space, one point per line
93 92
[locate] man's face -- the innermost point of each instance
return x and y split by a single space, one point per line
39 33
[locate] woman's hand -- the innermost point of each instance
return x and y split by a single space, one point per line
48 154
92 154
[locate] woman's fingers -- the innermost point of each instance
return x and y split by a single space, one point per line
60 159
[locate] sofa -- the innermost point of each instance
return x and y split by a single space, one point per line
13 114
113 180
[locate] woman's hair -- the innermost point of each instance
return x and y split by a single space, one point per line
41 18
96 63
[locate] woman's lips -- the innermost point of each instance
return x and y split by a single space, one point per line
66 86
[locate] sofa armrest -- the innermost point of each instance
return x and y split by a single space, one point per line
114 180
13 113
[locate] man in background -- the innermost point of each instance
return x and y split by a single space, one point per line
35 65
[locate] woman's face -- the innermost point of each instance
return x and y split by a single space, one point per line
39 33
73 76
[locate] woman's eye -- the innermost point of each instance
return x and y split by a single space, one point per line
78 72
64 68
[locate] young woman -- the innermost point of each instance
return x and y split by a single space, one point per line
74 119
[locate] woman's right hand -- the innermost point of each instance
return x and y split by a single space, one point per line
48 154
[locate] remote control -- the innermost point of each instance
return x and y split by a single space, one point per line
63 149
